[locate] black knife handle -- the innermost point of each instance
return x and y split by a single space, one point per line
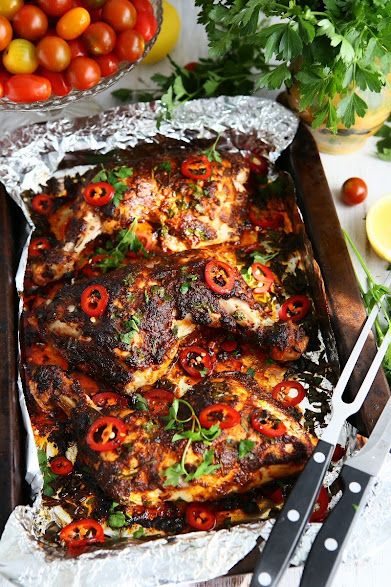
293 518
322 562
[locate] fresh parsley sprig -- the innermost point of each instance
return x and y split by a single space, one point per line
47 473
212 153
127 240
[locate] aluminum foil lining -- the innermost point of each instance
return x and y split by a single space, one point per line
29 157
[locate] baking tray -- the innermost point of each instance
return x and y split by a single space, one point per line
347 311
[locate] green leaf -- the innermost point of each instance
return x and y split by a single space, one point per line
350 107
139 533
250 372
141 403
245 447
173 475
117 520
206 467
290 44
274 78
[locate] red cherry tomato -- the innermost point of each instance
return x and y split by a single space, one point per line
42 204
73 23
265 423
109 399
53 53
27 87
92 269
196 167
30 22
130 46
143 6
219 277
229 345
83 73
195 361
82 533
55 7
78 48
59 83
106 434
99 38
5 32
258 164
321 506
146 25
295 308
354 191
61 466
94 300
200 516
264 275
95 14
265 218
108 64
282 392
120 14
159 401
38 245
222 414
98 194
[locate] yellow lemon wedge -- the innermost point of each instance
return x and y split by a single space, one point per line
378 226
168 36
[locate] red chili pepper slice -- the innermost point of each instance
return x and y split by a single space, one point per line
38 245
200 516
222 414
264 275
295 308
282 392
265 218
98 194
219 277
109 399
338 453
159 400
106 433
81 533
229 345
94 300
321 506
258 163
267 424
195 361
42 204
61 466
196 167
91 269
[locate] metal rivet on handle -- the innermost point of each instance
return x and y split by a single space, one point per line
355 487
330 544
293 515
264 579
319 457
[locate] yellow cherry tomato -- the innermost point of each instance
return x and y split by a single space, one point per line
168 35
73 23
20 57
9 8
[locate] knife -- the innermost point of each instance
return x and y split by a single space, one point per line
358 475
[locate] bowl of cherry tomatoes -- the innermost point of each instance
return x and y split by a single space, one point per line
53 52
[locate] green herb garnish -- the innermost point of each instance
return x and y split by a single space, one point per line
245 447
117 520
127 240
250 372
141 403
139 533
212 154
47 473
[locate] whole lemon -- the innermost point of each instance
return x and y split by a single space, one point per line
168 35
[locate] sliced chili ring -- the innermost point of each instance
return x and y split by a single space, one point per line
265 423
295 308
91 269
197 167
219 277
282 392
42 204
159 400
38 245
61 466
265 218
109 399
321 506
263 274
229 345
81 533
94 300
195 360
222 414
98 194
200 516
258 163
106 433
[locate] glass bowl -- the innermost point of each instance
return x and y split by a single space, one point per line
57 102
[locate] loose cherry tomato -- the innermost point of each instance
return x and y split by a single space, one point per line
146 25
108 64
20 57
258 164
265 218
196 167
61 466
120 14
78 48
5 32
54 53
192 66
94 300
222 414
109 399
264 275
99 38
265 423
95 14
200 516
321 506
159 401
73 23
38 245
98 194
195 361
338 453
130 46
43 204
106 434
55 7
30 22
28 88
229 345
8 8
143 6
295 308
282 392
59 83
82 533
354 191
83 73
219 277
92 269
